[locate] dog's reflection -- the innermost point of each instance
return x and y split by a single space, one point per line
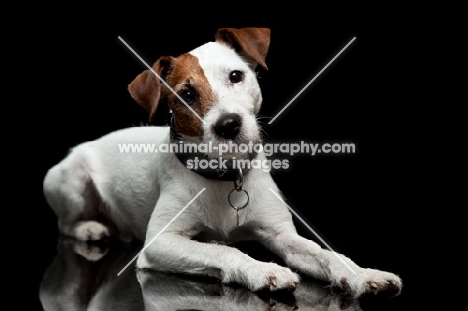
83 276
170 292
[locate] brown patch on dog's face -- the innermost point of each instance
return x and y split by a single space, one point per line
188 80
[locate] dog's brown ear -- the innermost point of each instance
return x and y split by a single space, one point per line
145 89
253 42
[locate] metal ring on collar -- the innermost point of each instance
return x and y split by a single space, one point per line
238 207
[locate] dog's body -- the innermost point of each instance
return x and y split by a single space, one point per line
97 191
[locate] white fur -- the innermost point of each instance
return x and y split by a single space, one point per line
142 192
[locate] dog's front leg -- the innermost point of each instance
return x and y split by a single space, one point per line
309 258
174 251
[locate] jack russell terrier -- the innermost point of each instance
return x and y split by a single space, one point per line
213 94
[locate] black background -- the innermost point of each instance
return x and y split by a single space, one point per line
359 203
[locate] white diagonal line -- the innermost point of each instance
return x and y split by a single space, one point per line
164 82
310 82
162 230
312 230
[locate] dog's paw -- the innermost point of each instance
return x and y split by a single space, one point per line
90 230
382 281
271 276
88 251
372 281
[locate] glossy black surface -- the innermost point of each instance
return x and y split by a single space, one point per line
361 204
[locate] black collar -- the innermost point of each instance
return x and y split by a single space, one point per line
226 169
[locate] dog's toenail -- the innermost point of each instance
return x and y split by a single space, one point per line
374 287
273 281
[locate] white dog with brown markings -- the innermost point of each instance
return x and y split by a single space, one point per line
98 191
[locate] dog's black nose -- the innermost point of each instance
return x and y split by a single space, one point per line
228 125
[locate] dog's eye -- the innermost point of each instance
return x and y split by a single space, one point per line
236 76
188 96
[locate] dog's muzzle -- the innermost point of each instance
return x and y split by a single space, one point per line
228 125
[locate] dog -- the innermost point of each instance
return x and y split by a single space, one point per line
177 208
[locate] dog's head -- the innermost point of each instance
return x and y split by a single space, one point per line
217 81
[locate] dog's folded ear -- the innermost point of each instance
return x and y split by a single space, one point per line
145 89
252 42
